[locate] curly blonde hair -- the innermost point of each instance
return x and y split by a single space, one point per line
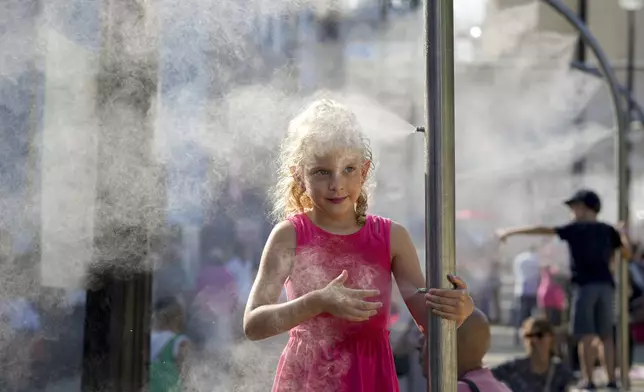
325 125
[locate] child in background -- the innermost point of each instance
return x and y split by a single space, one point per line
169 348
473 341
336 263
592 246
215 301
551 298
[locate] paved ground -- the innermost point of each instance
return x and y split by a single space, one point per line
262 359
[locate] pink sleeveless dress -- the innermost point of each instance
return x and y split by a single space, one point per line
331 354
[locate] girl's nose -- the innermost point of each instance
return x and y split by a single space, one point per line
336 182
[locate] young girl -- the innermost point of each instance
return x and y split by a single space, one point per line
336 263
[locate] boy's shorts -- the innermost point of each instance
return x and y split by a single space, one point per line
592 310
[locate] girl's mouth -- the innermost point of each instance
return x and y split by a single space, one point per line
337 200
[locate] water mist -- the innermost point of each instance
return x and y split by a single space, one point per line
199 98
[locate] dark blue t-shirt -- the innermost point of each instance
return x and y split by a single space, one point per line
592 246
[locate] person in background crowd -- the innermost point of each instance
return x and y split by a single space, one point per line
551 297
541 370
526 283
473 342
635 303
551 300
170 277
491 293
251 225
169 347
216 299
241 216
241 268
592 246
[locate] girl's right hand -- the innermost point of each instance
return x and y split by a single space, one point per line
346 303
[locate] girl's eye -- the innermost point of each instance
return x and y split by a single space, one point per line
322 172
350 169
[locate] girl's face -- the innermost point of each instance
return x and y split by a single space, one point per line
537 342
334 181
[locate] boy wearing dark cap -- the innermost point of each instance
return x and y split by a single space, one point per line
592 245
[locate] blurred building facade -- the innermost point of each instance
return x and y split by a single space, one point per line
608 22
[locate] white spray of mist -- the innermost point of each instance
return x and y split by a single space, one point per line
169 71
520 123
197 67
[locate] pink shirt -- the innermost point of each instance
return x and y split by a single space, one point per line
484 380
550 295
216 290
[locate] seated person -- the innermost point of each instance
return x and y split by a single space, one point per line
472 341
540 370
635 304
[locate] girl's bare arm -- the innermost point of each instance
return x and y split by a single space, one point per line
264 317
408 274
451 304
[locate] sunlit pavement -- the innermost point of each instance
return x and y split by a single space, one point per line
266 354
503 349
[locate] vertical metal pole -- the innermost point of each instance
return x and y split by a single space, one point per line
621 163
630 67
439 185
623 200
582 12
623 152
116 352
579 166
